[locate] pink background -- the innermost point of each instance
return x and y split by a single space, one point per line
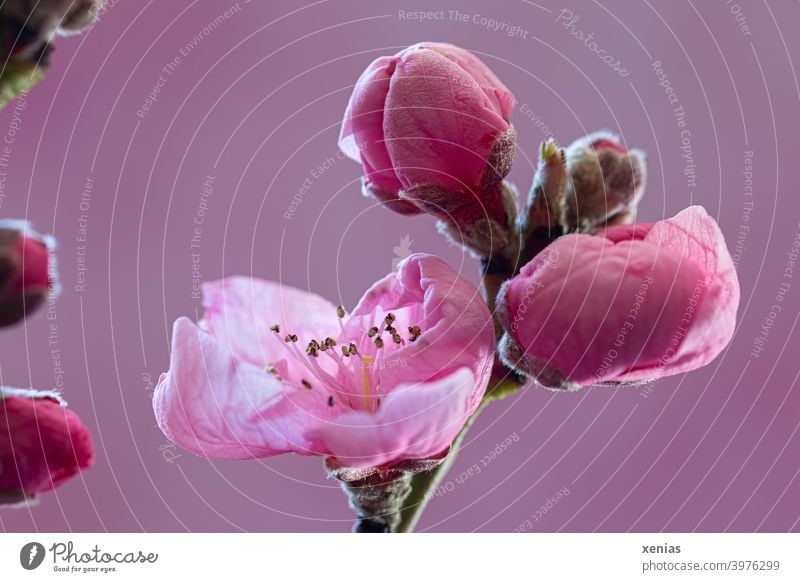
256 103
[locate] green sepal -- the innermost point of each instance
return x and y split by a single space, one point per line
18 77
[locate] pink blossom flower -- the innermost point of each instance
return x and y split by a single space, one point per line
42 444
272 369
26 276
431 125
635 303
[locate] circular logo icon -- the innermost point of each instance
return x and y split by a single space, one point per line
31 555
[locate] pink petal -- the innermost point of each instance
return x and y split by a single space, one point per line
361 137
439 124
240 310
457 326
610 144
416 421
219 407
625 232
695 237
499 95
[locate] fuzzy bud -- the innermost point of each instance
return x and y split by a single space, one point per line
26 31
606 182
431 128
27 270
35 23
42 444
539 223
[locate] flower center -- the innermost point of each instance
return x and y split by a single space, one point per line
352 373
365 379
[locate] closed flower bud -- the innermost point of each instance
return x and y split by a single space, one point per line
539 223
631 304
27 270
42 444
547 194
606 182
430 126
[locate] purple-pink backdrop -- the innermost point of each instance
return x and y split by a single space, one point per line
244 122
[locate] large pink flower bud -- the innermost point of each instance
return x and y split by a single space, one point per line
606 182
26 270
635 303
430 126
42 444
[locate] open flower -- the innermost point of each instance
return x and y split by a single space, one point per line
272 369
430 126
635 303
42 444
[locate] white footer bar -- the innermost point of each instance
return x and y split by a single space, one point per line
618 557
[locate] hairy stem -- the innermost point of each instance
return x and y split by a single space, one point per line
377 502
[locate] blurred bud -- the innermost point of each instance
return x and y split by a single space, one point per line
430 126
42 444
27 270
26 23
606 182
26 30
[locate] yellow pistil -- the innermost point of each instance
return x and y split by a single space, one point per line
365 380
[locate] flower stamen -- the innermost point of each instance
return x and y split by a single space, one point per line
341 381
273 371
